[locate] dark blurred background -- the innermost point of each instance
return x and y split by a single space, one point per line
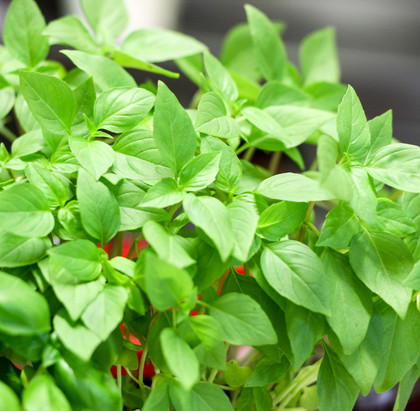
379 49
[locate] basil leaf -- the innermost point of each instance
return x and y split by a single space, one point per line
210 396
397 165
413 279
95 156
211 216
383 262
85 95
293 187
9 400
99 209
165 193
380 131
120 109
242 320
274 93
207 330
25 211
23 27
318 57
23 311
174 133
301 279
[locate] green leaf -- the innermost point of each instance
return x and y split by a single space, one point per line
352 127
391 218
405 388
25 211
208 397
23 27
397 165
236 375
327 152
80 259
165 193
95 156
296 273
51 101
318 57
269 48
242 320
267 372
337 390
42 394
99 209
207 330
7 100
158 399
17 251
400 349
107 17
200 172
75 337
70 31
350 299
8 399
274 93
29 143
120 109
281 219
293 187
383 262
23 311
244 219
341 225
325 96
85 95
230 169
212 117
106 311
413 279
180 358
166 285
105 72
157 45
53 188
211 215
380 132
220 79
168 247
174 132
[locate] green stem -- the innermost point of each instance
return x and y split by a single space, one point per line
313 228
227 388
274 162
8 134
213 375
249 153
302 230
242 148
119 378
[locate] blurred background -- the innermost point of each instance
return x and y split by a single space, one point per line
379 49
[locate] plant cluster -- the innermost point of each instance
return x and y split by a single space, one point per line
127 221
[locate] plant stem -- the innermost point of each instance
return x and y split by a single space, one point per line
274 162
249 153
313 228
302 230
119 378
213 375
8 134
227 388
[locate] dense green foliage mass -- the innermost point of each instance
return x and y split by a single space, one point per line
99 156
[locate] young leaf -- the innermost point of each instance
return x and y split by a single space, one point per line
51 101
43 394
220 77
107 17
85 95
397 165
180 358
157 45
24 211
174 132
17 251
267 372
341 225
164 194
211 216
318 57
350 299
268 46
383 262
337 389
207 330
212 117
274 93
7 101
293 187
80 258
166 285
211 397
23 311
9 400
280 219
242 320
200 172
380 132
352 127
105 72
106 311
296 273
243 218
70 31
98 208
168 247
23 27
121 109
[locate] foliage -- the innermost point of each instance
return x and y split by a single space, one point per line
102 161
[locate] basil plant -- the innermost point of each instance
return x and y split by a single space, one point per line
147 263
